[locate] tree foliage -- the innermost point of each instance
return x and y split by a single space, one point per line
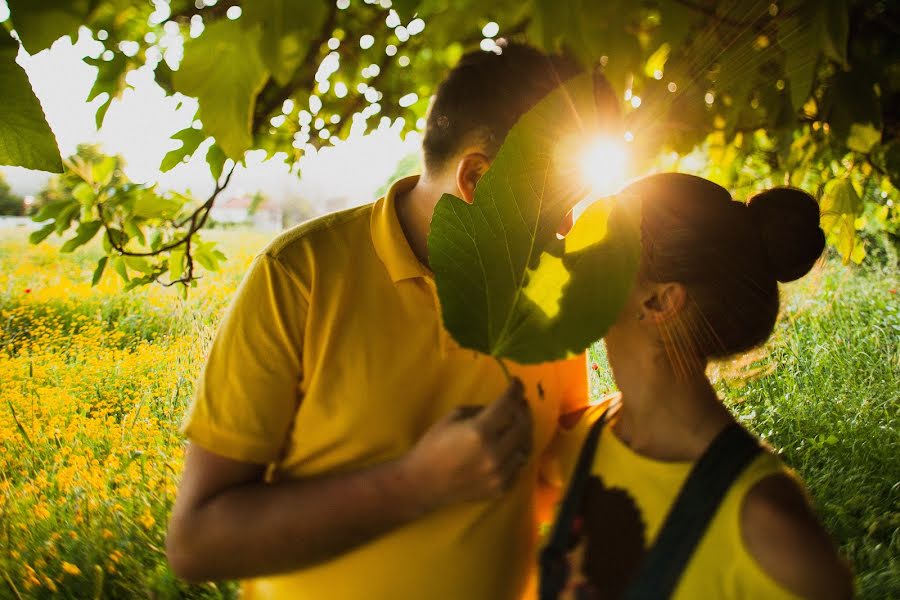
148 236
10 203
795 92
25 136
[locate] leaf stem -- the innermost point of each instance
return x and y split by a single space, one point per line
504 368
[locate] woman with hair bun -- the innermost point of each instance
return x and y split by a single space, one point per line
668 496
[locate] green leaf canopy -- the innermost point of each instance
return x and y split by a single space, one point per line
840 205
288 28
507 284
40 23
223 69
25 137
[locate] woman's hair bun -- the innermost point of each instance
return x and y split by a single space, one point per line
788 223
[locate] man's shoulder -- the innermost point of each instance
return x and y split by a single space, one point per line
342 226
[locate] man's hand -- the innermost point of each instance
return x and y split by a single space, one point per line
228 523
474 453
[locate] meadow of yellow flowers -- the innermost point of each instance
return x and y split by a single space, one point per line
93 382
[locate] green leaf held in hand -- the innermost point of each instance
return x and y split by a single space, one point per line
508 285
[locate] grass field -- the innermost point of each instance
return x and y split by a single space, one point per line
93 383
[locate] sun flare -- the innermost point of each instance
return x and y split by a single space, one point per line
604 165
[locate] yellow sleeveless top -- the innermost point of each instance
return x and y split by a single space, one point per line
627 499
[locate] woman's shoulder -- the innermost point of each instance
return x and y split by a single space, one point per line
562 453
781 532
577 422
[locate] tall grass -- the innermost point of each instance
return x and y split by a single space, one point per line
831 405
93 383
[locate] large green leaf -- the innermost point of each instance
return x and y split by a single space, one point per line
215 158
39 23
190 139
802 45
834 28
150 205
223 69
83 235
891 162
25 137
839 207
677 22
288 27
110 81
809 29
593 32
98 272
863 137
507 284
405 8
41 234
853 108
51 210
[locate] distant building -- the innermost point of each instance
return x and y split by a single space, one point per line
237 211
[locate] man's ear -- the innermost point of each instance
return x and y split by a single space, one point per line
468 171
665 302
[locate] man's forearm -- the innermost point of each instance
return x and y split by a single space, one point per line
257 529
228 524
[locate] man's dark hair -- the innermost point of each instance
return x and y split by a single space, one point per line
485 94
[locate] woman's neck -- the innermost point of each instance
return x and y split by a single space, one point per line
669 417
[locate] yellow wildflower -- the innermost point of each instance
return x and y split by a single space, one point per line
31 577
147 519
41 511
70 568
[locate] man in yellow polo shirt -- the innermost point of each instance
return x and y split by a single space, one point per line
341 445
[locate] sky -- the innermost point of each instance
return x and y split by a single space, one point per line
139 126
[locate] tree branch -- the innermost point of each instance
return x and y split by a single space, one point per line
197 220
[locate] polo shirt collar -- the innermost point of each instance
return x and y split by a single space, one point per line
388 238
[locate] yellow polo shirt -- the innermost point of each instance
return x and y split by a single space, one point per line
332 357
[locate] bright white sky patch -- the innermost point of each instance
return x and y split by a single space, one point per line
140 124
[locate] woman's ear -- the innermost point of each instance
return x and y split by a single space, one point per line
468 171
666 301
